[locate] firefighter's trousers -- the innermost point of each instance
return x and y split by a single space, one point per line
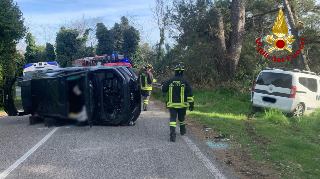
145 96
180 112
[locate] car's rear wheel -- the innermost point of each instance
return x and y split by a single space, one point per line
298 110
256 109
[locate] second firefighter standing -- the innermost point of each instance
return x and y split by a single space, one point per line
146 80
179 95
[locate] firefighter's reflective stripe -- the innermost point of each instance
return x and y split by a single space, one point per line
182 123
190 99
145 101
182 104
177 105
182 94
170 93
173 124
146 87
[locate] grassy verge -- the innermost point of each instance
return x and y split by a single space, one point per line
1 109
291 146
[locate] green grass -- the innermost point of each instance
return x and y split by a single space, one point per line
1 109
290 146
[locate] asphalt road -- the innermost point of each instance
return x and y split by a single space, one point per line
141 151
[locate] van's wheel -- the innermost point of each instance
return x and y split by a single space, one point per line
298 111
256 109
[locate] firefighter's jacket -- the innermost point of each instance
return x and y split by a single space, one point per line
179 92
146 79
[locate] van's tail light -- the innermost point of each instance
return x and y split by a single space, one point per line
254 86
293 92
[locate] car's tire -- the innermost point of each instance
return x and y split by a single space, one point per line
256 109
298 111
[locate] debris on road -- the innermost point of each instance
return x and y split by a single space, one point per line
218 145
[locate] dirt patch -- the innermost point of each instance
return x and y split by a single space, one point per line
3 114
237 158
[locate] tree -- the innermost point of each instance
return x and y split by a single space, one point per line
41 53
11 31
131 39
47 32
105 40
69 47
20 62
50 53
31 50
117 33
160 16
82 24
124 23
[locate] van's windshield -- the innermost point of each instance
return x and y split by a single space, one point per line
277 79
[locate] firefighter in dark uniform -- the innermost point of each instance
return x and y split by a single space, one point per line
179 95
146 80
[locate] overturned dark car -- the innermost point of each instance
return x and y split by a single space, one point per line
97 95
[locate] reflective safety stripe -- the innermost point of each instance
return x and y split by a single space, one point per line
146 87
170 93
173 124
145 82
177 105
182 94
182 123
182 104
190 99
145 101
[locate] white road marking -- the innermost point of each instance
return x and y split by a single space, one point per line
215 172
26 155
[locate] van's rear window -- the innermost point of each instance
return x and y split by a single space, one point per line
276 79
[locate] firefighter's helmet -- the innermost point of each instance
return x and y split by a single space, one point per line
179 68
148 66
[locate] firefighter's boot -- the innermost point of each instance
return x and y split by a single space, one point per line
182 129
145 107
172 134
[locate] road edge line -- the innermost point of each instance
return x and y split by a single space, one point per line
26 155
213 170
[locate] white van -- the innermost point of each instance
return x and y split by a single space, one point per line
294 92
39 66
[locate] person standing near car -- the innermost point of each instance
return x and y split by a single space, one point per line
179 95
146 80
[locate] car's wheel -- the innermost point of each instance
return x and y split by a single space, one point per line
298 110
256 109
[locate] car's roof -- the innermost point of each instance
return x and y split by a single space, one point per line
294 73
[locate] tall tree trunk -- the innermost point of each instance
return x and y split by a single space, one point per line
236 39
292 23
221 62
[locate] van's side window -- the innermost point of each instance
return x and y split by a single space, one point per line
309 83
